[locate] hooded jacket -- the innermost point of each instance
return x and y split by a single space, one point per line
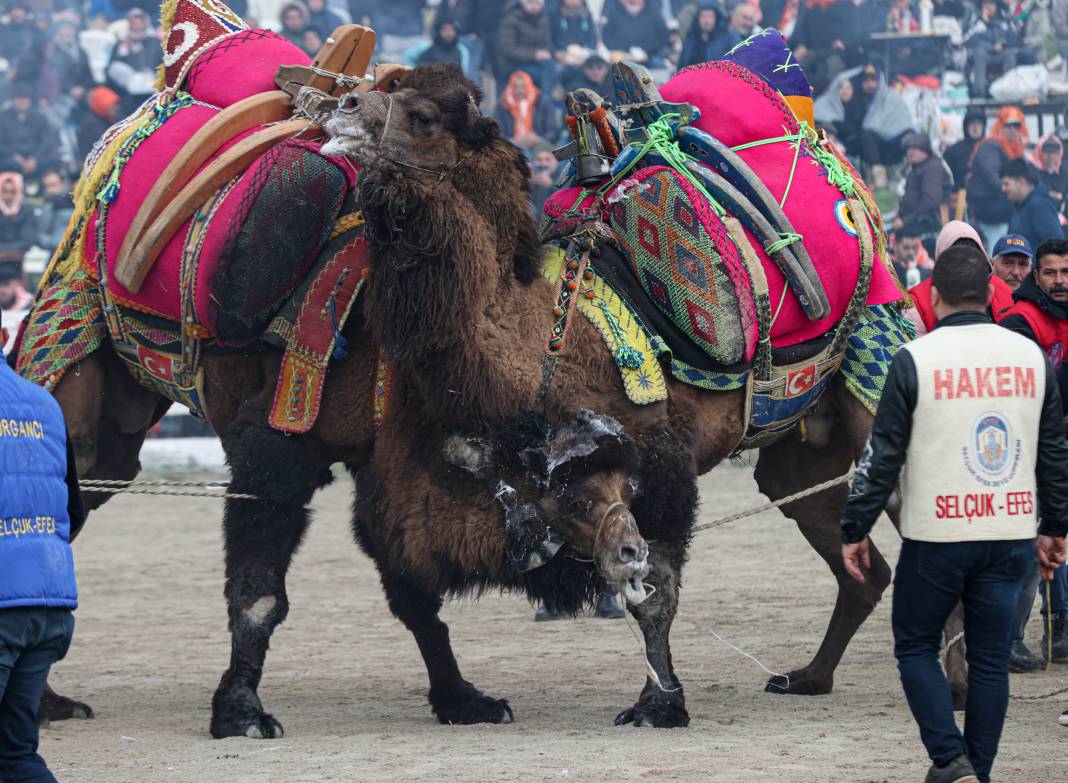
698 49
1036 217
926 188
521 36
958 154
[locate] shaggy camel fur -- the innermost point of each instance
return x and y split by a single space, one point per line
454 299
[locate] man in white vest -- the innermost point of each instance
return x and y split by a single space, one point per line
970 421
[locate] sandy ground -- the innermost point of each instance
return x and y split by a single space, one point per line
347 682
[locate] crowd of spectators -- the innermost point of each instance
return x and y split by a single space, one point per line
70 68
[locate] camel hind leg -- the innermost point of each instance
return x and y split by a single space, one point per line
452 698
793 464
107 416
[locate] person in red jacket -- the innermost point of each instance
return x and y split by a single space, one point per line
957 232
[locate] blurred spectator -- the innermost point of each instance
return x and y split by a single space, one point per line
635 29
1058 16
954 9
310 41
445 47
1035 214
103 113
18 229
574 32
54 211
927 186
524 117
322 19
829 37
991 42
871 119
14 298
958 154
594 74
911 258
28 143
709 37
56 68
465 14
543 172
1051 171
294 18
132 70
743 20
986 201
915 56
16 31
525 42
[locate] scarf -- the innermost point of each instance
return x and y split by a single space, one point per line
521 109
12 209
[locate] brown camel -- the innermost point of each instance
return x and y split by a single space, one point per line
466 327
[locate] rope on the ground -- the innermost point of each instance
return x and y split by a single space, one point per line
1041 696
813 490
188 489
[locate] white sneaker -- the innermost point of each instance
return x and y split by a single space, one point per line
1063 720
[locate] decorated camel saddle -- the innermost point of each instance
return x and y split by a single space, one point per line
733 245
210 218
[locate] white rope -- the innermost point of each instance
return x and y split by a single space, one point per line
814 490
754 660
190 489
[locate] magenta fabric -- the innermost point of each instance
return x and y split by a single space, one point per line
738 107
241 65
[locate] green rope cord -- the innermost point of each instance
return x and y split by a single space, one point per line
625 356
109 191
784 240
795 137
793 168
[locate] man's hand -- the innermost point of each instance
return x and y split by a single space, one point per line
1051 554
856 555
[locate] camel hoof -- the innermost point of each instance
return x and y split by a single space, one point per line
241 714
799 683
473 707
657 712
54 707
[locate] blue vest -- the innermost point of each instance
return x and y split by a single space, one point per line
36 563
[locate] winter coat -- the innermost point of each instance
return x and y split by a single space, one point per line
1036 217
982 35
574 31
985 197
18 232
926 188
36 511
646 30
324 22
1058 14
521 36
30 136
697 49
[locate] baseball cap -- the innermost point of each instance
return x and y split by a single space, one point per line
1013 243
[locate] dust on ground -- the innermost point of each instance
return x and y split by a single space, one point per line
346 680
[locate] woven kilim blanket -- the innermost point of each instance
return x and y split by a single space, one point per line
875 340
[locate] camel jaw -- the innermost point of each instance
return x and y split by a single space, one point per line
347 138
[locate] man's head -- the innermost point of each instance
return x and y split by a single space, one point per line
21 98
10 284
1012 259
293 18
1051 269
988 9
1052 152
9 190
869 78
743 19
544 160
533 7
447 32
907 245
975 124
53 184
137 21
1013 130
960 281
596 69
917 148
707 18
1017 180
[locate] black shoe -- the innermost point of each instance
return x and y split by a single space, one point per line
957 771
1063 720
1022 660
1060 638
609 606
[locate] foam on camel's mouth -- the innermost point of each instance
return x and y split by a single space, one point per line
634 590
351 140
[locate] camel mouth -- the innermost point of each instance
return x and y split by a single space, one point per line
634 590
347 138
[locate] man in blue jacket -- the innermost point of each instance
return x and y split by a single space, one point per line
1036 211
40 509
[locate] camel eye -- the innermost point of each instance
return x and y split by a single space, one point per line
421 121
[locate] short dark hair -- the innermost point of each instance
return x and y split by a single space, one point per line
1018 168
1051 247
961 275
910 230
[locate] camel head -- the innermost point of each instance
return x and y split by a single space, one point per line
423 131
582 476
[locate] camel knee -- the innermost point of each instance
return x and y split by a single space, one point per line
270 465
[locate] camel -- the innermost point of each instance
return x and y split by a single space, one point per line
446 205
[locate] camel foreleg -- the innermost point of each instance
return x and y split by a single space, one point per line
261 537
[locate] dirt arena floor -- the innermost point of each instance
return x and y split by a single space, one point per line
346 680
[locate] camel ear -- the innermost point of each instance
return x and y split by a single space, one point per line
480 133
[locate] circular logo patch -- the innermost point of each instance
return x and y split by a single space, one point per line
992 443
845 220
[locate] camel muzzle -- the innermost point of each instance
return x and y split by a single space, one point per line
621 553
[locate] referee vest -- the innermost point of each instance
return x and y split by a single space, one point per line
970 470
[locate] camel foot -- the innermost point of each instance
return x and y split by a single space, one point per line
239 713
800 683
658 710
470 707
54 707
